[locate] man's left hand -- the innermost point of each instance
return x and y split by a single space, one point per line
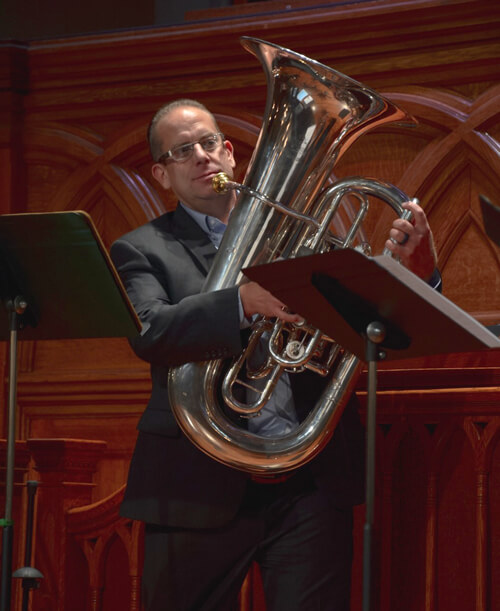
413 243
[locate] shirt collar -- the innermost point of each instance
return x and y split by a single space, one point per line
210 225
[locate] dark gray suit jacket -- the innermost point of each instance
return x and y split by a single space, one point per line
163 265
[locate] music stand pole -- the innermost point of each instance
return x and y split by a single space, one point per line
375 334
15 308
29 575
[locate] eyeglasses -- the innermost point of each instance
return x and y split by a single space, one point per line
184 151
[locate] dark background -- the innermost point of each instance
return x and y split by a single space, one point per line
39 19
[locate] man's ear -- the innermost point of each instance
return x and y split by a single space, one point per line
230 152
160 174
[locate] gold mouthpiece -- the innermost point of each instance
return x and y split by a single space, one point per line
219 182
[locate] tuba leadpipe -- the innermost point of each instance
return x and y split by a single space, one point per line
284 209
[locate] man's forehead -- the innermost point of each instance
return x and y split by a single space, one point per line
186 117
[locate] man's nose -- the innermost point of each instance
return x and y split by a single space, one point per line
199 151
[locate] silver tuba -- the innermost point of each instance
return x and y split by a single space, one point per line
285 209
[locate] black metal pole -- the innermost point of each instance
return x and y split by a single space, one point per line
29 575
15 307
375 333
31 487
7 535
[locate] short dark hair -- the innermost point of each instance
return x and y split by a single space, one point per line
154 143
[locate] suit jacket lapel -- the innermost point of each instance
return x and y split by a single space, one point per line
194 239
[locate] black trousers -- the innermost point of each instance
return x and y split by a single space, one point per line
301 542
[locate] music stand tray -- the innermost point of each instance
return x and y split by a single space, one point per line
341 291
59 264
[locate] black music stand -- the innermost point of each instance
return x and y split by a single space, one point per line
56 282
375 308
491 218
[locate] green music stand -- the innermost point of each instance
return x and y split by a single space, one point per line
56 282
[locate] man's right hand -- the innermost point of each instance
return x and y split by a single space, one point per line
257 300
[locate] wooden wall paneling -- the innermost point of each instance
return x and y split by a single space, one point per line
65 470
86 174
402 496
133 73
85 112
482 436
113 555
439 510
455 521
110 576
13 87
493 538
87 389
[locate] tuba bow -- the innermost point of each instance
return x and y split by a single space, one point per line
284 209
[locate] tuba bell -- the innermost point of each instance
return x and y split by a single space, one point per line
285 209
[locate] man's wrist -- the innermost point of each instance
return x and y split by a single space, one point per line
244 322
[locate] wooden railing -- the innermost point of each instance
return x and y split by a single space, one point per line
101 534
436 543
112 547
90 557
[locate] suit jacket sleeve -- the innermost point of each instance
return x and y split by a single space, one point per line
180 324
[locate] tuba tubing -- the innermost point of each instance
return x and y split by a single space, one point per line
313 114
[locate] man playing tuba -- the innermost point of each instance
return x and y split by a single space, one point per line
206 522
